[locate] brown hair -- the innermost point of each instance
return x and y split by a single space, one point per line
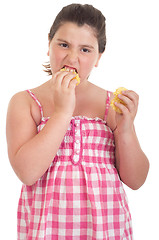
80 14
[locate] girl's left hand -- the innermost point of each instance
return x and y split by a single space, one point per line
125 120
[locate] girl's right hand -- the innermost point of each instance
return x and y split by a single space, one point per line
63 88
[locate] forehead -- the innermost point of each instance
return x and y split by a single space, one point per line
72 31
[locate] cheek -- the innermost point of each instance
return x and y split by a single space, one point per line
55 60
86 70
89 64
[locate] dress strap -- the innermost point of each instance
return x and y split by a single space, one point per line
107 105
36 100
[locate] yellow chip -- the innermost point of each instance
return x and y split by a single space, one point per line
76 77
116 99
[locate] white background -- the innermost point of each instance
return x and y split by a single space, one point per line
131 60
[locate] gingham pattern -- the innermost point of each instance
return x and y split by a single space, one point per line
80 197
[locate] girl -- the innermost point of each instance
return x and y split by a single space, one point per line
68 146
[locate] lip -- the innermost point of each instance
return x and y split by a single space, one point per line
70 67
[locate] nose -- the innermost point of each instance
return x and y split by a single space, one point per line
73 56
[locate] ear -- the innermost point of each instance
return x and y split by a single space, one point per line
48 49
48 45
100 54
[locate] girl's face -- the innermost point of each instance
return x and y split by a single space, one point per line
75 47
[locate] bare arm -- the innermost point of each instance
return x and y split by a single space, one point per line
131 162
30 153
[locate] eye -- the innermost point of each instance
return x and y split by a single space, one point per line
85 50
64 45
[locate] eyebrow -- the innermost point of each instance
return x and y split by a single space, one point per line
83 45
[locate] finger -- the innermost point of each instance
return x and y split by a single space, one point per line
123 109
132 95
127 101
58 78
67 79
73 84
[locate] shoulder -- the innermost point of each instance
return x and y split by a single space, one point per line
101 93
111 117
22 106
101 96
99 90
19 100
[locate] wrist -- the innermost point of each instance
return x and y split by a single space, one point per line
124 131
62 115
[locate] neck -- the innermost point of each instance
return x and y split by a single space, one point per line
82 88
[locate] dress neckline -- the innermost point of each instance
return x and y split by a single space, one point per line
81 117
43 118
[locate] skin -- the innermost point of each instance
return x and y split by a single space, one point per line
132 163
61 99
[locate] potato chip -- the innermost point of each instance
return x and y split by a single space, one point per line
76 77
116 99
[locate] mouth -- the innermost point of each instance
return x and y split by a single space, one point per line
69 69
73 70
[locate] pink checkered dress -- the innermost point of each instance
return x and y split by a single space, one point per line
80 196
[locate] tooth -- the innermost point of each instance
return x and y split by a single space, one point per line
67 69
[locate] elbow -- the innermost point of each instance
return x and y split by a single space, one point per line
27 181
134 185
26 178
135 177
137 180
25 175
